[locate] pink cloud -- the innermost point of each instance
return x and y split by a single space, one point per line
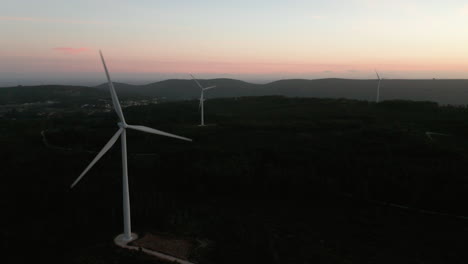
68 50
49 20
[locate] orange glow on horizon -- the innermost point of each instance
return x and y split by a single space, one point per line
266 68
81 59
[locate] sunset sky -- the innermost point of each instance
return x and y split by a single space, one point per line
56 41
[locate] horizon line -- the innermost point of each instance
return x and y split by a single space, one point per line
250 82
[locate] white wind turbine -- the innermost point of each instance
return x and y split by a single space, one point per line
127 235
202 99
378 87
429 134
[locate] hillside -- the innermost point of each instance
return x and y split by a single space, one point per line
440 91
41 93
273 179
187 89
453 92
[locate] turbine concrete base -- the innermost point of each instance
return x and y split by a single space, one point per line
120 240
123 243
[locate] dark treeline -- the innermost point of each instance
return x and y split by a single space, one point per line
272 180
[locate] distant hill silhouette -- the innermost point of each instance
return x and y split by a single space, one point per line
40 93
176 89
441 91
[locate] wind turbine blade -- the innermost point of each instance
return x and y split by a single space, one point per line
115 99
199 85
157 132
429 134
99 155
211 87
378 77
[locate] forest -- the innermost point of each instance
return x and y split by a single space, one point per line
271 179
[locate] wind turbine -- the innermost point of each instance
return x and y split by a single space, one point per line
202 99
378 87
127 235
429 134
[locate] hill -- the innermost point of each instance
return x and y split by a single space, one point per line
41 93
273 180
454 92
177 89
441 91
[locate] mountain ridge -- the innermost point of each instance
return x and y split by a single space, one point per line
442 91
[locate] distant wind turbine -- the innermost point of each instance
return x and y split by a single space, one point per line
202 99
127 235
378 87
430 134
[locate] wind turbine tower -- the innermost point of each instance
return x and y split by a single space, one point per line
202 100
378 87
122 133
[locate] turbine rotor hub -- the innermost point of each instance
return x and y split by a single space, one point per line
122 125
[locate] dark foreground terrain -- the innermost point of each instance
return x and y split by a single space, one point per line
273 180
